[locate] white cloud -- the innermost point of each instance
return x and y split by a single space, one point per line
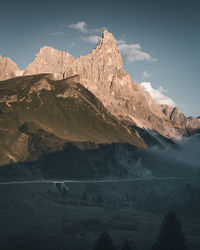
83 27
80 26
162 90
133 52
120 41
59 30
157 94
91 39
146 74
130 52
98 30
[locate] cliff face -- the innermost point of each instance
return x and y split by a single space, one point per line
99 71
8 68
102 73
99 65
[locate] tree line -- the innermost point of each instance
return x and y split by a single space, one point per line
171 237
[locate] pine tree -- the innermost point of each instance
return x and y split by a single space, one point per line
171 236
104 242
126 245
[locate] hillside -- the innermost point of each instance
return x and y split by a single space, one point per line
39 116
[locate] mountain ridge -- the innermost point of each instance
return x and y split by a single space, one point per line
36 107
101 71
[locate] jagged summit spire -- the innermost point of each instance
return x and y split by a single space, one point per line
108 37
107 48
99 65
107 34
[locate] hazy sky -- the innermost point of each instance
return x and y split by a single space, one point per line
159 40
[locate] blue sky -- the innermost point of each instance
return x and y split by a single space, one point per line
159 39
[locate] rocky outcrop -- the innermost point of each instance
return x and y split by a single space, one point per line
101 71
8 68
99 65
176 117
193 122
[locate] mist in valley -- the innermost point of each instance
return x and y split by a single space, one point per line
174 159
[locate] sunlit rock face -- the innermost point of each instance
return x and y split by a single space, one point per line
101 71
8 68
99 65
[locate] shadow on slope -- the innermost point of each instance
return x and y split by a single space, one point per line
36 107
87 160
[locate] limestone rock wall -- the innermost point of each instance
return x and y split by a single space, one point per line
8 68
102 73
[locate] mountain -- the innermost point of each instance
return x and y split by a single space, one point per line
8 68
58 129
102 73
40 116
85 117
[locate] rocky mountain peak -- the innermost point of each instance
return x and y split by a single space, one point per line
107 35
107 40
101 71
98 66
8 68
107 51
47 50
